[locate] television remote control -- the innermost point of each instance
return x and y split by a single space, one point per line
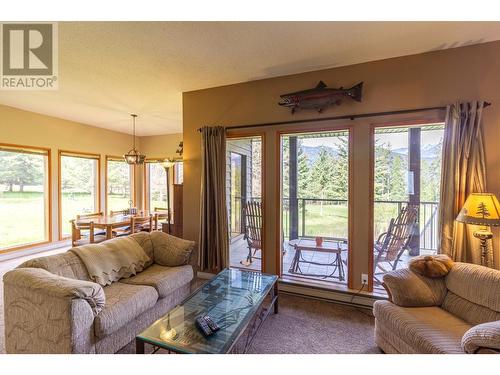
213 326
203 326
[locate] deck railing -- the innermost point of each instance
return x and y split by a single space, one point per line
328 218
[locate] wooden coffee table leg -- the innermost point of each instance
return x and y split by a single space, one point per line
139 346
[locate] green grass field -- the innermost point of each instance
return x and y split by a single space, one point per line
22 218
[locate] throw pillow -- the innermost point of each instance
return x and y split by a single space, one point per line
170 251
432 266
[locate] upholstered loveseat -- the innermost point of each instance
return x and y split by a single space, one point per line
459 313
54 305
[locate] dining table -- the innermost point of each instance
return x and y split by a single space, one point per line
108 222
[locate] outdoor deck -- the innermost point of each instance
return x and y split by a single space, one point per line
239 252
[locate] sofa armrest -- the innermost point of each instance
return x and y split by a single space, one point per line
483 338
407 289
46 313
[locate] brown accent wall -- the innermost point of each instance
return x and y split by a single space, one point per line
425 80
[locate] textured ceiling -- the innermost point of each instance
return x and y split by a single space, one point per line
108 70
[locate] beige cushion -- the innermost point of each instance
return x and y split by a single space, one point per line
123 303
486 335
470 312
144 240
41 281
164 279
66 264
478 284
169 250
425 329
407 289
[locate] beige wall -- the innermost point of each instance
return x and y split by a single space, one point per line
32 129
425 80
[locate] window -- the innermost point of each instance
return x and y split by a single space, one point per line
119 184
24 196
244 197
156 185
78 187
179 173
406 188
315 206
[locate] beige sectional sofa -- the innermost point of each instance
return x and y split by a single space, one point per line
53 304
459 313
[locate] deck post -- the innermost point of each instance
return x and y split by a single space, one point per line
292 189
414 166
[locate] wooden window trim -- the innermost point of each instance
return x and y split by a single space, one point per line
350 203
403 123
48 215
107 159
85 155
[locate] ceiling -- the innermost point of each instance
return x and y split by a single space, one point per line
108 70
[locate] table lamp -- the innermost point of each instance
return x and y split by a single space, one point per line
481 209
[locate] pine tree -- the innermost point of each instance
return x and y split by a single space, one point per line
303 173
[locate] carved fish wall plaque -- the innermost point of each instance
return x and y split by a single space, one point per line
320 97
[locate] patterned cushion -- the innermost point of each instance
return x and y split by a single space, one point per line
468 311
164 279
123 303
171 251
407 289
486 335
66 264
478 284
144 240
424 329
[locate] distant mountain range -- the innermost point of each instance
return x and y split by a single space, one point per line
427 152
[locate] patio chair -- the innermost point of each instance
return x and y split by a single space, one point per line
390 245
252 213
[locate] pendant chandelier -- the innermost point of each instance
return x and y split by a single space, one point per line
133 157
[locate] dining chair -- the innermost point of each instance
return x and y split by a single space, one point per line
162 215
91 216
139 223
79 235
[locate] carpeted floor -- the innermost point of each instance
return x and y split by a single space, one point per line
306 325
303 325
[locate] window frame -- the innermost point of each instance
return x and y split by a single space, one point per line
146 194
416 122
107 159
48 196
350 197
84 155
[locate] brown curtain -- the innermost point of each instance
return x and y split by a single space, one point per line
214 239
463 172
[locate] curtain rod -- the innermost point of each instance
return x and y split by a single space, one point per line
343 117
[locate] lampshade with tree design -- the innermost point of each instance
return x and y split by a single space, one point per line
480 209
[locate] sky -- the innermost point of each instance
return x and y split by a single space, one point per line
396 140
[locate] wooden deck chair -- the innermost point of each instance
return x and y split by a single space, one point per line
252 212
390 245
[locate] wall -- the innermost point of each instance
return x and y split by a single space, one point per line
32 129
425 80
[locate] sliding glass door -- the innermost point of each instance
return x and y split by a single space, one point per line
406 188
315 206
244 202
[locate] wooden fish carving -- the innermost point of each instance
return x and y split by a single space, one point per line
320 97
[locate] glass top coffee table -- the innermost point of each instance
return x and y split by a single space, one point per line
238 301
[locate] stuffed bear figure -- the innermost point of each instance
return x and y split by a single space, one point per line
432 266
